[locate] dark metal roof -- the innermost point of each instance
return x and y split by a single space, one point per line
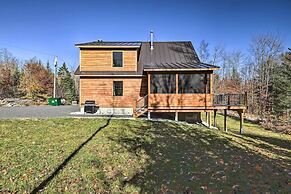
171 55
106 43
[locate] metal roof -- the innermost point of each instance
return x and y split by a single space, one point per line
109 44
171 55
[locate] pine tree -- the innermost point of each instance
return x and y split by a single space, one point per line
281 86
48 67
66 83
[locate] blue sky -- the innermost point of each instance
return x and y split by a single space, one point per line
41 28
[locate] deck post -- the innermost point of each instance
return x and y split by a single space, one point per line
206 119
241 119
209 119
225 113
149 115
214 118
176 116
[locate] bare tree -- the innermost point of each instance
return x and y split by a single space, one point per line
9 74
204 51
265 50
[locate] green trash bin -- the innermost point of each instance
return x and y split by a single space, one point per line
54 101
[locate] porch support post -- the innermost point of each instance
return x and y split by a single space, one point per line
149 89
241 119
176 116
206 119
225 113
209 119
214 118
149 115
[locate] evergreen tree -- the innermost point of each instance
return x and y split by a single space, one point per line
66 83
281 86
48 67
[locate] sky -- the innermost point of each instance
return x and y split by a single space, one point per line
45 28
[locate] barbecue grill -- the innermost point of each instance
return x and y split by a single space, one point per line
90 106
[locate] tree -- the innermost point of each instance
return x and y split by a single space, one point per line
66 83
230 76
36 80
204 51
9 74
48 67
265 54
281 86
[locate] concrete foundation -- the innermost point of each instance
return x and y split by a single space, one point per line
112 111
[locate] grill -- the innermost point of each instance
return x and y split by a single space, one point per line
90 107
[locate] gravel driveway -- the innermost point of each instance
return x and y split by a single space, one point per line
37 111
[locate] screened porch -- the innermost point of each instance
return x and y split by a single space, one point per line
180 91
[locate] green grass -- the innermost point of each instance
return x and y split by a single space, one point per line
140 156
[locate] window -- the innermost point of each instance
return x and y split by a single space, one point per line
194 83
117 59
117 88
163 83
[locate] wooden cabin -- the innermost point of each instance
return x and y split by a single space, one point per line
147 78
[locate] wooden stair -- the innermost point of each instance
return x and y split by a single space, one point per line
140 112
140 107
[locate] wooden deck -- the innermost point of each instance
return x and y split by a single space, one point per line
207 103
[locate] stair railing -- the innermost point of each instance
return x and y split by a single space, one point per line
141 104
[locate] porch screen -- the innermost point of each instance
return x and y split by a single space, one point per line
163 83
194 83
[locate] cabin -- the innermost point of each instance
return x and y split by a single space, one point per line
153 79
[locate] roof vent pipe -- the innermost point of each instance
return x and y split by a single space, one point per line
152 40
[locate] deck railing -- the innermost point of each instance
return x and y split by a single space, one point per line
230 100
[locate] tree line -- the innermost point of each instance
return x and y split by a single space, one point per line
264 72
33 79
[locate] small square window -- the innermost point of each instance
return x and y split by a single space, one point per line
117 88
117 59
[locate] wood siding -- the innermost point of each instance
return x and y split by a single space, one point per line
101 90
101 60
179 101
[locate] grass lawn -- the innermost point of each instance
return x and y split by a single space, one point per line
140 156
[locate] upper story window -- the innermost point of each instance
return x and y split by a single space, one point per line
117 59
117 88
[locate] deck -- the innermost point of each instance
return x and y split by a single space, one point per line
208 103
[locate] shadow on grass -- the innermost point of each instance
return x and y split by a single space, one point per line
183 159
44 183
271 140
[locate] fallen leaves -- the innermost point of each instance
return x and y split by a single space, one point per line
258 168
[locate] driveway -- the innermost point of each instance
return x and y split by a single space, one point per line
37 111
